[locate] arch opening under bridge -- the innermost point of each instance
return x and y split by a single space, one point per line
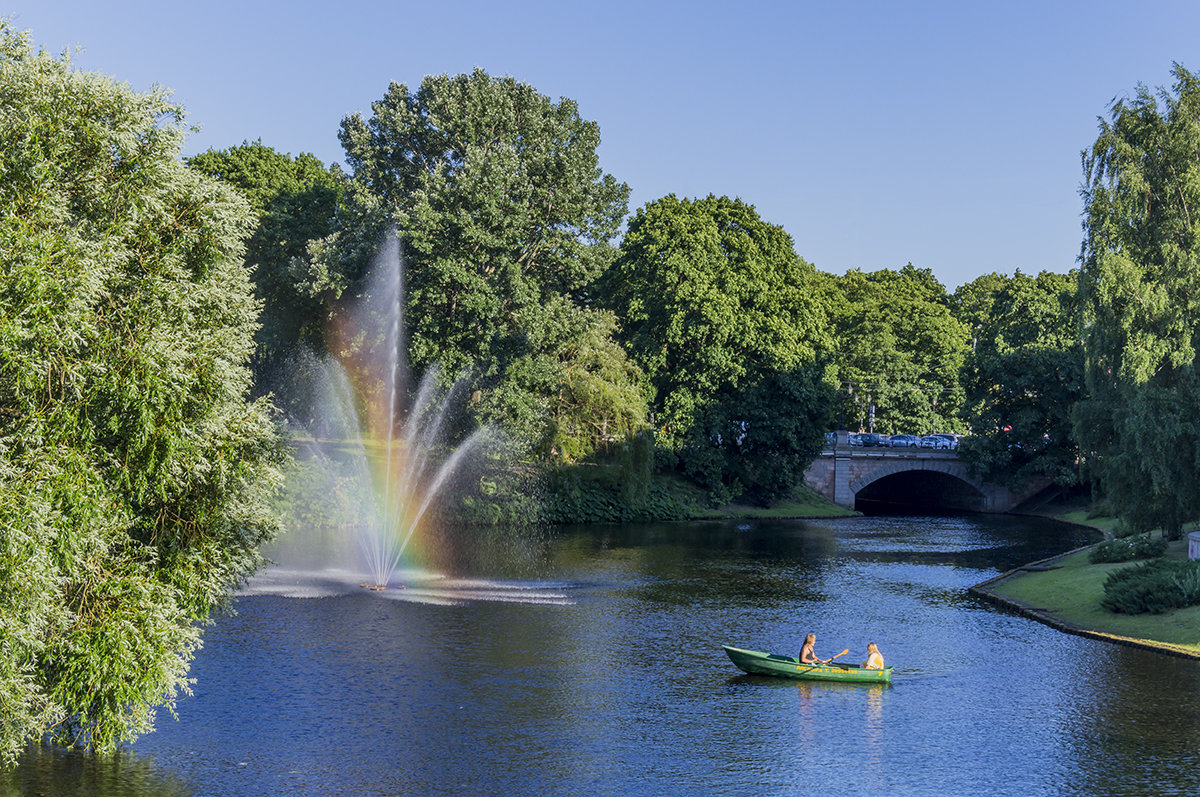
919 489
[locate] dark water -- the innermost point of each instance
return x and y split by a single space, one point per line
590 663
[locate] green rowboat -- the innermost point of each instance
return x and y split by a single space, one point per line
758 663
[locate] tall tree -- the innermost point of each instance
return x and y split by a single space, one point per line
899 351
1022 381
505 217
972 302
134 475
727 321
1140 289
294 200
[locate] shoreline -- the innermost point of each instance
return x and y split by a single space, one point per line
984 591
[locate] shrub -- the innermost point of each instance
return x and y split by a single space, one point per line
1152 588
1141 546
599 495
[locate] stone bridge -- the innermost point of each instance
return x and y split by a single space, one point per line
913 476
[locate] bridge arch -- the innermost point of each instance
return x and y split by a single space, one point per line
936 478
915 482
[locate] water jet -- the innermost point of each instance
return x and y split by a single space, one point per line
395 460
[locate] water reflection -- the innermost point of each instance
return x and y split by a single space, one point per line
54 772
623 687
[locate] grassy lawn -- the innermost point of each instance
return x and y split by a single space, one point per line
1080 516
1072 592
794 507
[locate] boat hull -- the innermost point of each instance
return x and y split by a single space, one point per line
758 663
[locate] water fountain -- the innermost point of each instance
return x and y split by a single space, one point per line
395 436
380 450
381 459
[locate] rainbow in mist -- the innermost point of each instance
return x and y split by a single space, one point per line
396 433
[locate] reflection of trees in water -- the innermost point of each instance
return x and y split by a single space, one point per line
1135 724
736 562
56 771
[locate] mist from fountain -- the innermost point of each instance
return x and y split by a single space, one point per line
377 466
392 439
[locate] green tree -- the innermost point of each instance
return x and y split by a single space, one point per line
728 323
1140 290
505 216
294 200
900 350
600 398
134 475
1022 381
972 302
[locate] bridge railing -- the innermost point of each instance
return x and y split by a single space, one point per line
890 453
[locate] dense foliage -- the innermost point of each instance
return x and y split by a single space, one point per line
724 318
505 217
1023 378
899 351
1157 586
294 200
1140 292
1125 549
133 472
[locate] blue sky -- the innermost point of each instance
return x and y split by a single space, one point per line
946 134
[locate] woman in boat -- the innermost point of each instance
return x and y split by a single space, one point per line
807 656
874 657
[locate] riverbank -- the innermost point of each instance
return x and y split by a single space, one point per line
1064 592
803 502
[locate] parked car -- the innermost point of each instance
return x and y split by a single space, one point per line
904 441
934 441
855 440
872 440
952 439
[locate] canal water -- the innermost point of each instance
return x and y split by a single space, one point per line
588 661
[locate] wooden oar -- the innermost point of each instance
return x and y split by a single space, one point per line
802 665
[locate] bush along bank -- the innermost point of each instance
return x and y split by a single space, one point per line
1126 549
1153 588
1067 592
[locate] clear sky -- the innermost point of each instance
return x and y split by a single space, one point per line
945 134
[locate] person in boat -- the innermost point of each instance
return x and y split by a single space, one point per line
807 655
874 657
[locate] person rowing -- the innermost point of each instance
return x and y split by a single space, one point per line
807 654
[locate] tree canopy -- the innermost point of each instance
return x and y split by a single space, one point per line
1140 292
133 472
505 217
294 200
899 349
716 306
1023 380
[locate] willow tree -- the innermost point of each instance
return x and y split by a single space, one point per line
133 472
1140 289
